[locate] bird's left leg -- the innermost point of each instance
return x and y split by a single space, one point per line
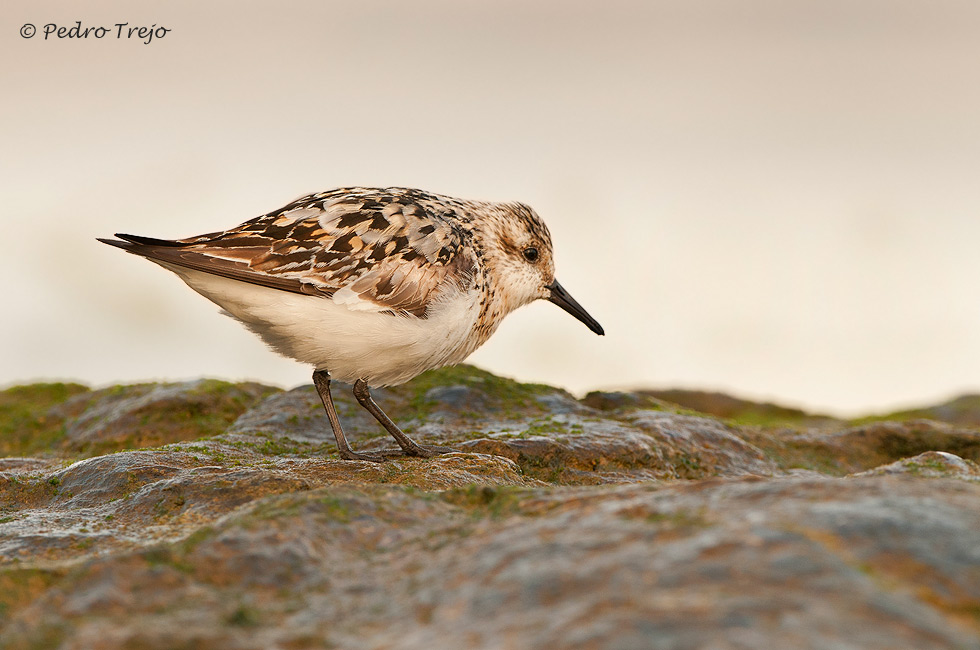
321 379
363 395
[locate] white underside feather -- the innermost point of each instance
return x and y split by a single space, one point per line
336 335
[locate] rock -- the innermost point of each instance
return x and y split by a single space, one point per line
72 420
740 410
616 521
889 440
27 423
963 410
641 445
872 562
142 497
149 415
852 449
931 464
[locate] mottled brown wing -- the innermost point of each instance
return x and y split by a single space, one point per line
173 253
371 250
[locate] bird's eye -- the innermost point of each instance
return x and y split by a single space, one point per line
530 254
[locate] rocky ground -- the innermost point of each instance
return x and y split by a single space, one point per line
215 515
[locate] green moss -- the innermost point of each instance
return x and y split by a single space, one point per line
19 587
548 468
933 464
622 402
484 500
27 492
26 425
897 416
335 508
185 422
200 535
244 616
678 519
788 449
160 556
544 426
688 466
920 440
930 467
274 508
271 445
166 506
969 610
962 410
204 411
216 456
735 410
503 395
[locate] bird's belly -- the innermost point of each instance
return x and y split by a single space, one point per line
381 348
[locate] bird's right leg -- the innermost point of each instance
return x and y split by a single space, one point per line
363 395
321 379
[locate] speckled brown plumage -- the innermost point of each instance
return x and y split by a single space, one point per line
372 286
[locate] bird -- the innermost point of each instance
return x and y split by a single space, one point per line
371 286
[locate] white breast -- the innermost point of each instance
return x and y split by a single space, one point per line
383 349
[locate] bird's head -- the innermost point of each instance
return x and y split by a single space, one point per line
518 245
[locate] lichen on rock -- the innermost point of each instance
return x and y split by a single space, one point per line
208 514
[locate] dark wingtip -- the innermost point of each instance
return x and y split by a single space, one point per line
147 241
136 243
114 242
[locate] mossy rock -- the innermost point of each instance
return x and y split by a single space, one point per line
27 424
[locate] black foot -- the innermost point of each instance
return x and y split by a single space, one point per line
380 456
384 455
429 451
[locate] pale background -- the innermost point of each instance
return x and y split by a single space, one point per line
775 198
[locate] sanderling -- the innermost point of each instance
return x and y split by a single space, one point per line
371 286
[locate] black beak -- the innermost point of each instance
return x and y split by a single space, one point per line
561 298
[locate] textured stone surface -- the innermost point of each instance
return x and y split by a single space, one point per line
617 521
931 464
